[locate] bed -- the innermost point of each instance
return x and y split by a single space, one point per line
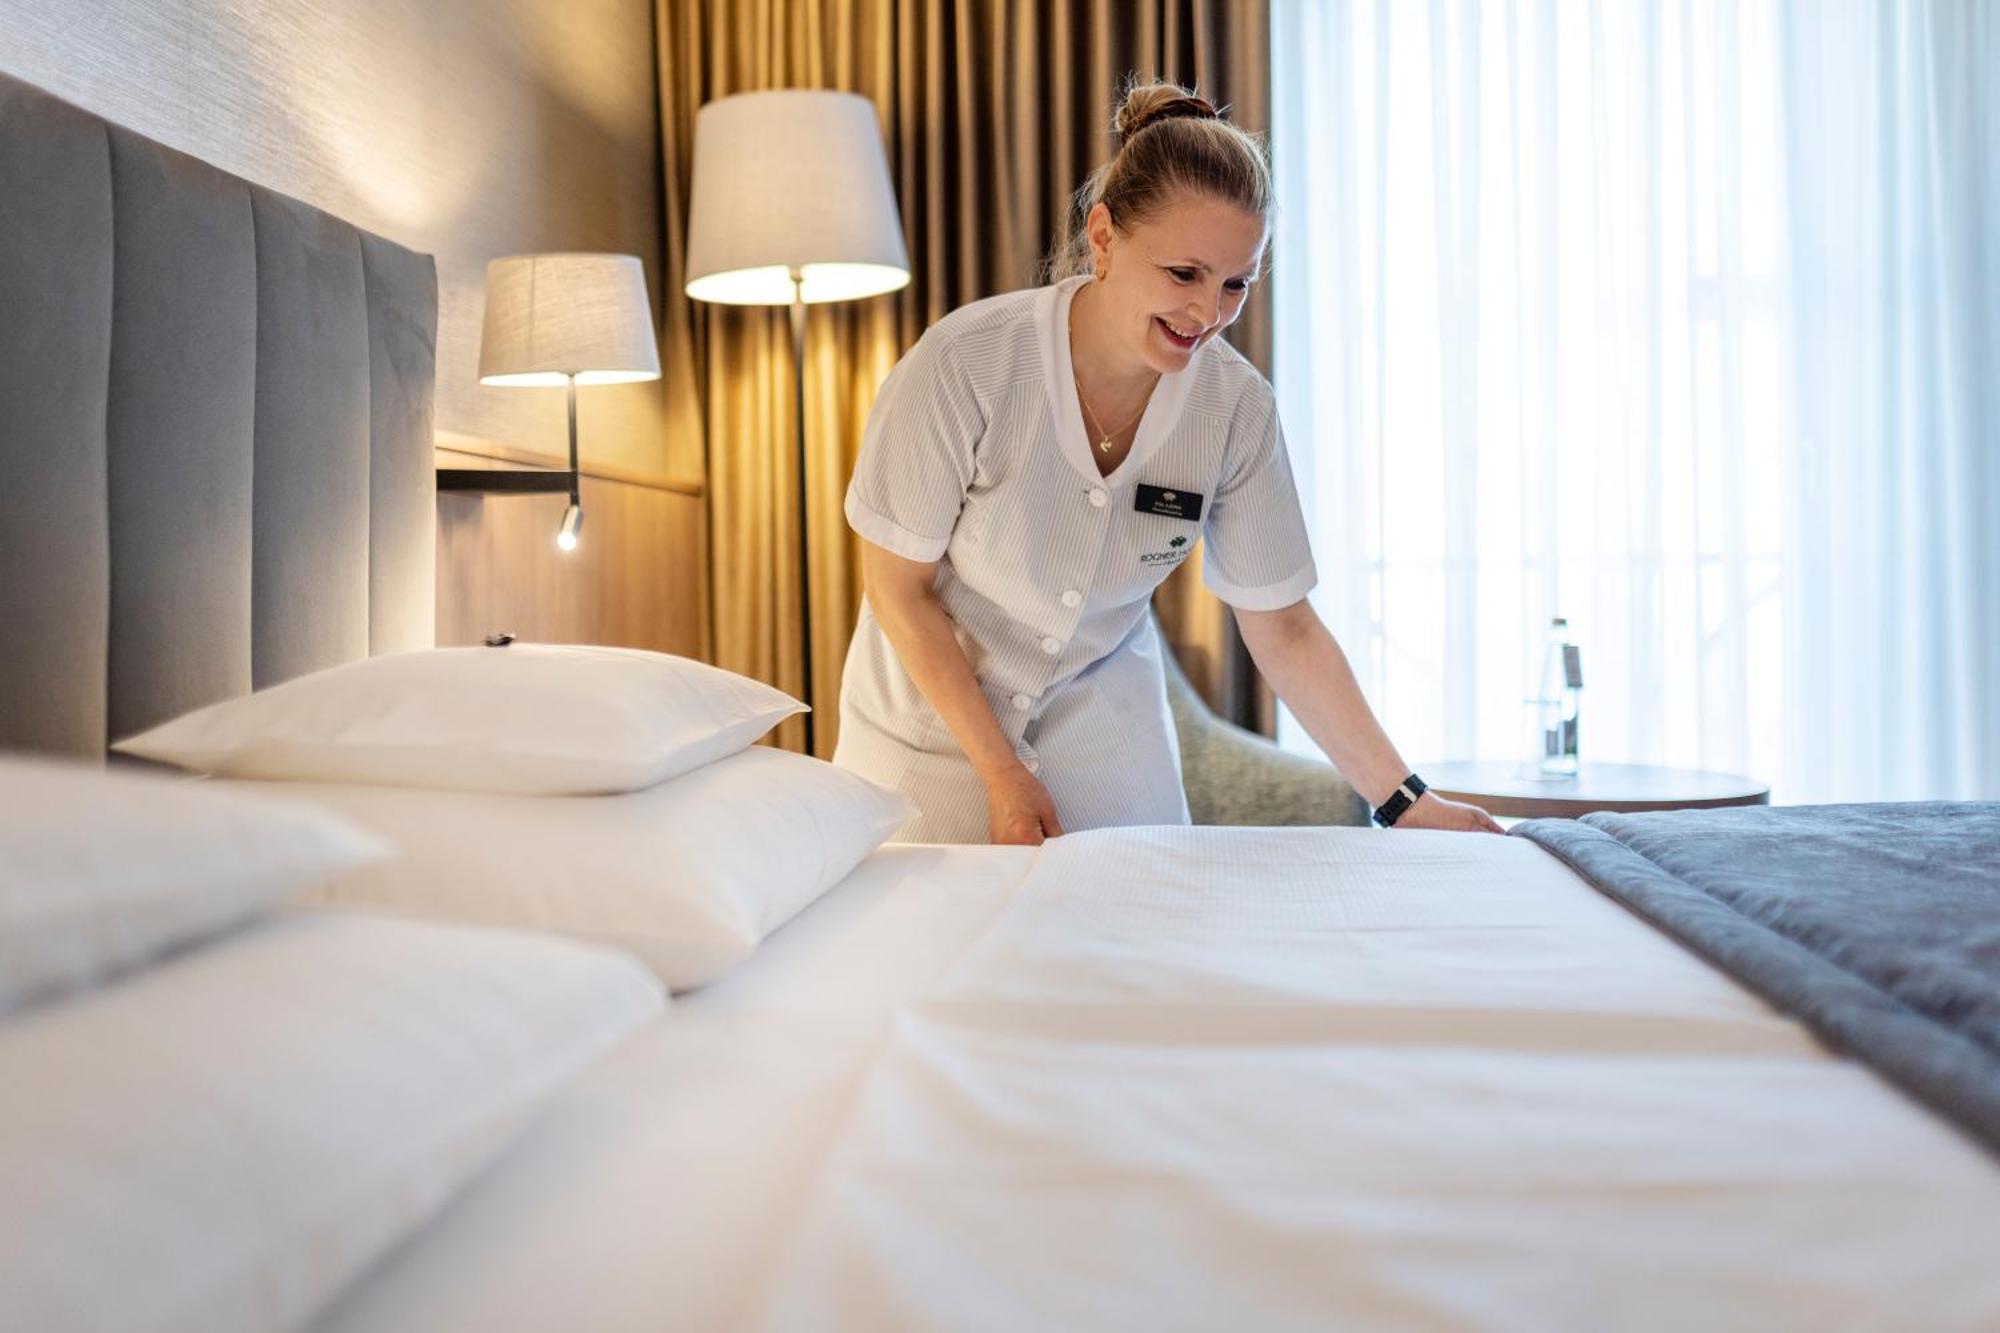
1176 1078
1355 1081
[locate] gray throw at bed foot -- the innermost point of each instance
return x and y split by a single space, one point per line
1878 926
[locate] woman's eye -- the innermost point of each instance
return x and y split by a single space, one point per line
1238 285
1182 274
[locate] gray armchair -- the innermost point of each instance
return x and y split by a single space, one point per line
1234 776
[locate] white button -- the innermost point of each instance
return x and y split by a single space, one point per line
1051 646
1072 598
1021 701
1034 765
1099 497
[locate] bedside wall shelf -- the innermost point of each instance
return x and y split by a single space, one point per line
501 481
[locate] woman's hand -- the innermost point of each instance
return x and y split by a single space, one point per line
1434 811
1019 810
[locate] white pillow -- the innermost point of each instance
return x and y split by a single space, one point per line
223 1141
102 871
533 719
689 876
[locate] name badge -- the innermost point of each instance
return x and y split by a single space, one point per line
1170 504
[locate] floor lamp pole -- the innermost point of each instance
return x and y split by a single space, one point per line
799 445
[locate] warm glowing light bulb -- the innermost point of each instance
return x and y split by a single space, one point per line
572 524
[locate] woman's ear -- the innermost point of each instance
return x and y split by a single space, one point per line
1097 227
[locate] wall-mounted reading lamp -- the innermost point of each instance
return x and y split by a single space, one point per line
560 319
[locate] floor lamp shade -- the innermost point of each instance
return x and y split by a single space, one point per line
792 181
553 316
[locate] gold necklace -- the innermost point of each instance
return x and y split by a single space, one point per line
1104 437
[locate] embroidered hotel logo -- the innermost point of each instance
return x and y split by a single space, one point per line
1178 550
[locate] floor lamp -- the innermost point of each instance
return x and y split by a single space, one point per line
792 205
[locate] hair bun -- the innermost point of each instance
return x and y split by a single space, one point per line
1180 106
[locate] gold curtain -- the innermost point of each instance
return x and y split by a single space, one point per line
992 112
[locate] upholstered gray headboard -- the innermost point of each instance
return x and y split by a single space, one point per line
215 433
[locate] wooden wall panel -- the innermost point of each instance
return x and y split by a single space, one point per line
635 579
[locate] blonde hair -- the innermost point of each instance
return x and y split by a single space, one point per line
1170 143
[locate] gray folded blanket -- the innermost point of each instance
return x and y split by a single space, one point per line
1877 926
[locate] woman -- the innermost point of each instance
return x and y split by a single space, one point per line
1033 469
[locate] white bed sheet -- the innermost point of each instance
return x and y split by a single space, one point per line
652 1194
1202 1078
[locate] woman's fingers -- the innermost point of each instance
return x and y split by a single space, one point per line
1025 833
1435 812
1476 820
1020 811
1479 821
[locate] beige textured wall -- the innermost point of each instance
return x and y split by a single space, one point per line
464 128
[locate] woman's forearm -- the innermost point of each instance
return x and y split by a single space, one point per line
1306 667
921 633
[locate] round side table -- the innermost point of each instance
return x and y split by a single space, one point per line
1506 788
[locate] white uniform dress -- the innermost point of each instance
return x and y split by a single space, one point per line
975 456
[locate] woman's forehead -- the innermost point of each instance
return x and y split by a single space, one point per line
1205 233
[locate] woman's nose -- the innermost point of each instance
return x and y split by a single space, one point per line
1205 310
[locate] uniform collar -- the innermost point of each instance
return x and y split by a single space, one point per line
1163 409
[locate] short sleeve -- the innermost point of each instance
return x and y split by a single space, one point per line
1258 557
916 458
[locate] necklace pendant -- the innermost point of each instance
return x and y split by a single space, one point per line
1104 446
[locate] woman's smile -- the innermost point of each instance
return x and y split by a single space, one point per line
1179 335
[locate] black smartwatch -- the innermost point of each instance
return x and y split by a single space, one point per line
1399 800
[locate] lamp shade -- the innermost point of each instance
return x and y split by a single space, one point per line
552 316
792 179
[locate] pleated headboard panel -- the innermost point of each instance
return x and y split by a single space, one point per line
215 429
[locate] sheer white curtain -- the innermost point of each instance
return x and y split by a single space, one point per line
1893 172
1537 274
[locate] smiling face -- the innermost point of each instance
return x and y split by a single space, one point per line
1176 280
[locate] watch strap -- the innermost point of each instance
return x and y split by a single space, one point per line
1400 800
